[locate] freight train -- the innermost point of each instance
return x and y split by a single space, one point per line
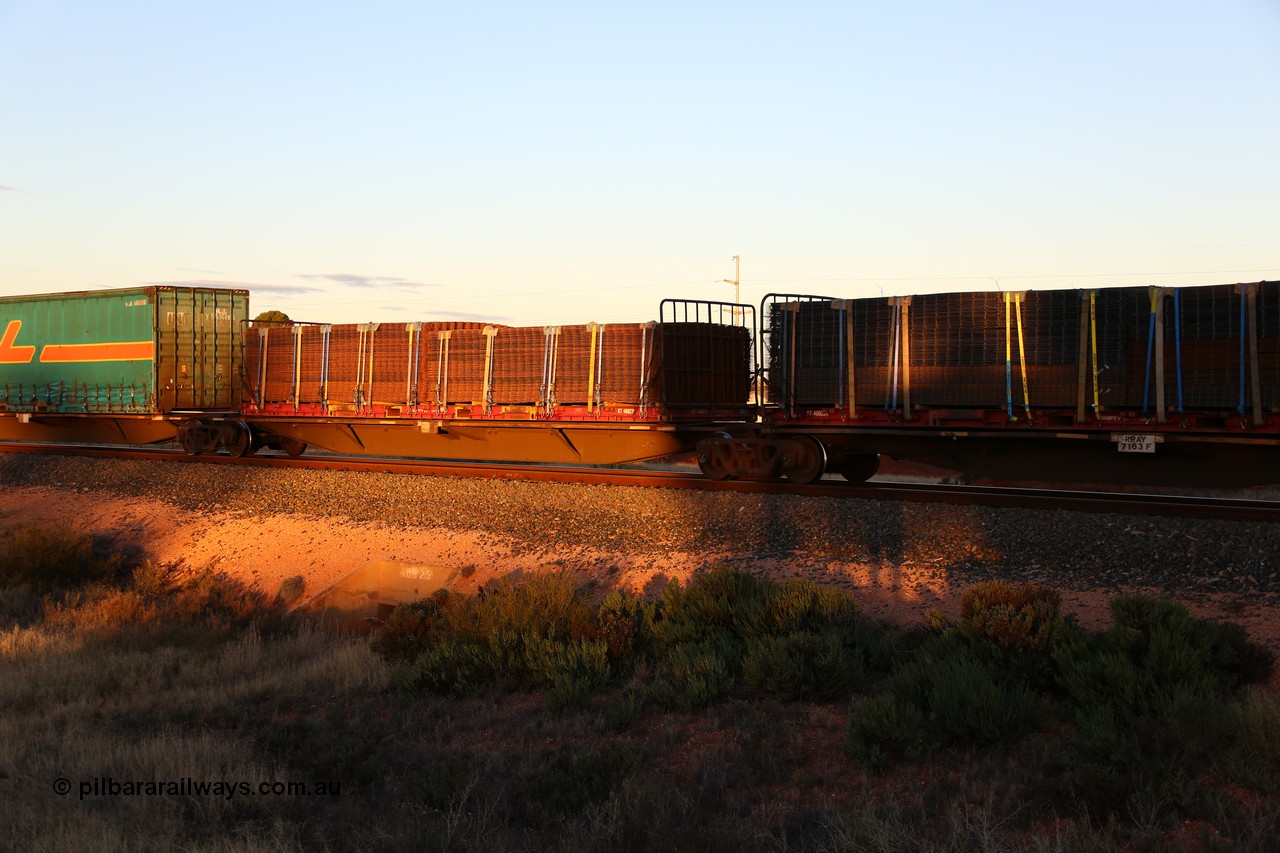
1142 385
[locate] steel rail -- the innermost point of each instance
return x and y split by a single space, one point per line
1125 503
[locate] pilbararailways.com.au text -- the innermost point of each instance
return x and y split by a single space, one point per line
107 786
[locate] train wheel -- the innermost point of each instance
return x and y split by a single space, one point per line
810 464
192 439
859 468
242 443
293 447
711 457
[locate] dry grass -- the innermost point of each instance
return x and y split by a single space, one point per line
163 677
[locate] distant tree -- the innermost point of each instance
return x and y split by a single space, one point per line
273 317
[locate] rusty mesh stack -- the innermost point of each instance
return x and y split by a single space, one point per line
517 365
387 376
681 364
431 388
628 363
278 387
311 355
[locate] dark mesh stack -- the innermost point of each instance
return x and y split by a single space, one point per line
805 355
704 364
958 349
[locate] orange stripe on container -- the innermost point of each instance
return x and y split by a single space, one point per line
10 354
124 351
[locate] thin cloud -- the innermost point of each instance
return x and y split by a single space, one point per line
463 317
368 281
279 289
9 188
411 313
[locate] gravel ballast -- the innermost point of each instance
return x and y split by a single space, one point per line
1185 557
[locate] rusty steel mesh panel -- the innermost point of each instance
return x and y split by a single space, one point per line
628 363
517 365
311 357
431 384
573 365
704 364
467 354
279 385
344 363
251 365
390 365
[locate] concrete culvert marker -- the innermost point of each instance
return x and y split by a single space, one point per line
373 590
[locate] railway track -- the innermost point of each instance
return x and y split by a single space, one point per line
1173 506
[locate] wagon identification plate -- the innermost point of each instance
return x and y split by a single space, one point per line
1136 442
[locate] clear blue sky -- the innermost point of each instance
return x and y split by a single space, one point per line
565 162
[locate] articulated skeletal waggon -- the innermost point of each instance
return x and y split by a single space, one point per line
1137 384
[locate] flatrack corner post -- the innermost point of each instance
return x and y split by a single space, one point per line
490 333
1255 380
1082 363
905 308
594 329
845 307
297 365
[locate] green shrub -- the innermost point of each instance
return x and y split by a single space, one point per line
969 704
1258 731
1158 684
540 605
718 600
798 604
804 665
950 693
412 628
452 667
693 675
1225 646
625 624
1156 655
569 671
885 729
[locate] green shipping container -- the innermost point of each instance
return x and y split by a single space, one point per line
145 350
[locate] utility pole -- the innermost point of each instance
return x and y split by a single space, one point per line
736 281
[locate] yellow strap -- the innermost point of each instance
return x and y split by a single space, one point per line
1093 337
591 371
